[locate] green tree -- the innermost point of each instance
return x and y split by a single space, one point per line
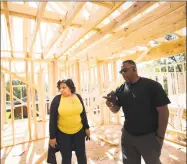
16 90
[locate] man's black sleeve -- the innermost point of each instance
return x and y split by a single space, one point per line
159 95
117 92
53 118
83 114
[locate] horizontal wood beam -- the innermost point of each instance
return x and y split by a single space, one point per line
3 69
25 11
48 20
105 4
26 59
15 97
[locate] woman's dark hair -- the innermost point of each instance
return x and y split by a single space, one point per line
69 83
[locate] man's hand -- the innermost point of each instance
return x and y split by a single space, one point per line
52 142
160 141
108 103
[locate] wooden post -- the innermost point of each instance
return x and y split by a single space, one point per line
51 81
77 76
55 75
106 110
21 99
28 99
33 101
41 100
184 75
88 83
99 90
3 106
12 103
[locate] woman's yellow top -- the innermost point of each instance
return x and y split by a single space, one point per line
69 110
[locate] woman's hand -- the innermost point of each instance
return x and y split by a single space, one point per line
87 131
52 142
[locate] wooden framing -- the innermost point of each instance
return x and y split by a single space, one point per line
146 19
33 102
17 76
117 22
92 23
6 11
28 90
170 23
99 90
77 75
3 106
25 35
164 50
67 22
27 59
41 100
39 15
12 105
109 5
26 11
112 39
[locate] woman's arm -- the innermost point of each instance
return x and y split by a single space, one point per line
53 117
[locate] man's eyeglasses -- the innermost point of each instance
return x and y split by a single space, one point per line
125 70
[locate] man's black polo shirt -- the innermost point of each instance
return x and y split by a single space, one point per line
139 101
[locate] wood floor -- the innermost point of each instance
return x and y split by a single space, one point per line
103 148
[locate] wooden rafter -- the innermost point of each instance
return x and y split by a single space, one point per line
167 49
67 22
109 5
6 11
134 10
92 23
170 22
163 10
164 50
23 59
30 13
24 11
39 15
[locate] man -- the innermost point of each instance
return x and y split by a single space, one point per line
144 103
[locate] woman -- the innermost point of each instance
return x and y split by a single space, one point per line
68 123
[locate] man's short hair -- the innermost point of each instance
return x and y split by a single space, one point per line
129 62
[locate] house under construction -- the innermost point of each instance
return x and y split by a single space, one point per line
43 42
